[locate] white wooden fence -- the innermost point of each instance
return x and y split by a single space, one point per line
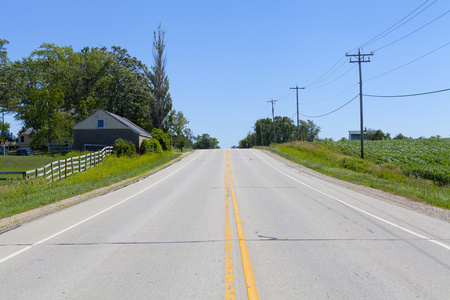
60 169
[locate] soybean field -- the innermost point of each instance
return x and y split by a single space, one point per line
424 158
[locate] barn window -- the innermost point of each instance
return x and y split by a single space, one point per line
22 139
100 123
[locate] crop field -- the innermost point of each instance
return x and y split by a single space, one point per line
424 158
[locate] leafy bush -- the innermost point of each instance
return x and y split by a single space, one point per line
163 139
151 146
356 164
124 147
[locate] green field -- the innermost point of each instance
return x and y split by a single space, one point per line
424 158
417 169
13 163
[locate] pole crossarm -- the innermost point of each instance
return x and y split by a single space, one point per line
361 57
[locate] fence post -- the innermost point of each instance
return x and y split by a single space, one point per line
45 174
51 165
59 169
71 163
65 168
36 173
79 164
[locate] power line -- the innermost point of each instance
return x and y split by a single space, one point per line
329 98
324 74
325 84
413 31
376 38
412 61
410 95
319 116
392 29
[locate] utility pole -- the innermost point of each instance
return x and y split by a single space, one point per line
273 120
4 138
360 59
260 125
298 127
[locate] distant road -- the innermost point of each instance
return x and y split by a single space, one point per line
174 235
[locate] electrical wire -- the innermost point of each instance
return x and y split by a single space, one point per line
329 82
286 94
393 27
324 74
412 32
373 40
330 111
410 95
310 103
414 60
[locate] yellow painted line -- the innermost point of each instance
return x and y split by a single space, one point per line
252 291
229 272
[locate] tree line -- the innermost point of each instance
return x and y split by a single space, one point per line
285 131
55 87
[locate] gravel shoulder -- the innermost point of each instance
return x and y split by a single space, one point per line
423 208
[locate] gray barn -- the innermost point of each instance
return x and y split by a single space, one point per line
102 128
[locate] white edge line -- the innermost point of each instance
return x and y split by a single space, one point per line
91 217
359 209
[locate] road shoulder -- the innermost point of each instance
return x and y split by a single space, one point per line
423 208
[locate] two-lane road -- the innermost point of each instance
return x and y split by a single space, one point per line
174 235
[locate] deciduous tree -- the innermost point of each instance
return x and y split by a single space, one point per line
161 102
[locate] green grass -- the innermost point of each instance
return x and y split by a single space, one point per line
391 177
12 163
22 195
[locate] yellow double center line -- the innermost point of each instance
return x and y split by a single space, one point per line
252 291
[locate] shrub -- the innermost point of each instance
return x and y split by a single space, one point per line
151 146
163 139
124 147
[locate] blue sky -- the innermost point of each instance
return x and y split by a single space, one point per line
226 59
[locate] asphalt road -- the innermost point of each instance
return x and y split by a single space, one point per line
179 234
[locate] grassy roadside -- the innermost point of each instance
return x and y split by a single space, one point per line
23 195
386 177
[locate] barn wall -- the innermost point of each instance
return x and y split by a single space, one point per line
103 137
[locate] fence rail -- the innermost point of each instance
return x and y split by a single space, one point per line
60 169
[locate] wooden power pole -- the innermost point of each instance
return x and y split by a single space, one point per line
273 120
298 127
360 58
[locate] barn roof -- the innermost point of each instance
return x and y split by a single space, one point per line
124 121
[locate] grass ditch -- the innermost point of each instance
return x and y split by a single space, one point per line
387 177
23 195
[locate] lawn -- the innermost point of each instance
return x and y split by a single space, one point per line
13 163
